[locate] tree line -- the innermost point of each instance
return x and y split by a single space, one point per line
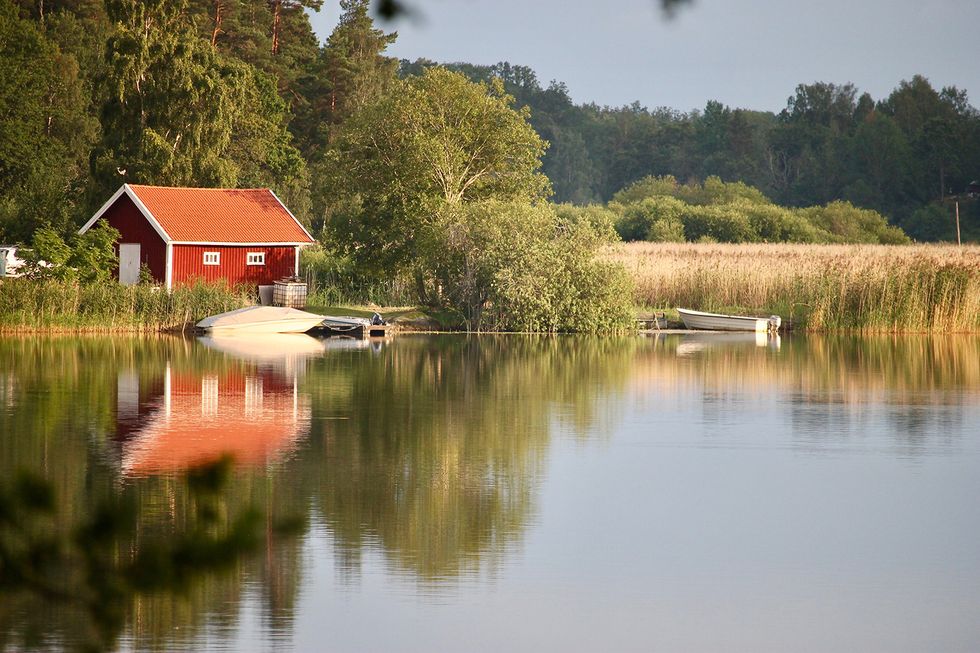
221 93
904 155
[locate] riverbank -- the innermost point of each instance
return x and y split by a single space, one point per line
52 305
869 288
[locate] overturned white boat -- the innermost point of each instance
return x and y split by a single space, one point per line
261 319
719 322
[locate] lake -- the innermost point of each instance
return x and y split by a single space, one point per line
515 493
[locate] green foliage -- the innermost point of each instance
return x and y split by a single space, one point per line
261 147
850 224
45 130
830 143
777 224
179 113
636 219
101 559
432 141
712 191
659 209
931 223
50 248
720 223
89 257
518 267
350 72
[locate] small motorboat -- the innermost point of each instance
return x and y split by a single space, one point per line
719 322
261 319
345 323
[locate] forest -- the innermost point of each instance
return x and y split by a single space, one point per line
242 93
475 191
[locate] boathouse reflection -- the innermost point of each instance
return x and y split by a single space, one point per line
248 407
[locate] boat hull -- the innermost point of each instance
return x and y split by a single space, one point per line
284 326
260 320
718 322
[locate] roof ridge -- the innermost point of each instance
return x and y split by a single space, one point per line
194 187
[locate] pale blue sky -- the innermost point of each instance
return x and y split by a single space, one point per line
747 54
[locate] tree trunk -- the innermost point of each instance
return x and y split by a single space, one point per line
276 19
420 289
218 16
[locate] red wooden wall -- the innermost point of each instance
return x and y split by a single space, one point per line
188 264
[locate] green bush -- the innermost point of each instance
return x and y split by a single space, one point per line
712 191
512 266
661 209
89 257
720 223
850 224
777 224
666 230
635 221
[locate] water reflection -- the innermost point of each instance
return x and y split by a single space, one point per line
429 456
819 393
696 343
195 418
184 416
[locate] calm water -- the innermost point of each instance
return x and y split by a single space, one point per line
529 494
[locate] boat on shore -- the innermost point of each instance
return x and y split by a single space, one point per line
719 322
261 319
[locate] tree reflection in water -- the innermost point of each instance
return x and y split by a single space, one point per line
427 450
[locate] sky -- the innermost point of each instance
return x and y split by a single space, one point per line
750 53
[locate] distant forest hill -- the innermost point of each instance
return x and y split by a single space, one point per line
903 155
95 93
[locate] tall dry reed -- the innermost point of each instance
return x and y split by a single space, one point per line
27 305
914 288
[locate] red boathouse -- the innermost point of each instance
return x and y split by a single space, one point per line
187 234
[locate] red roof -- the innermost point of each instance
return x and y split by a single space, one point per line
221 215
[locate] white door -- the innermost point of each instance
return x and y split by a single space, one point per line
129 263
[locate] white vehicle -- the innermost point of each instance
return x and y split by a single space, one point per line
11 265
261 319
718 322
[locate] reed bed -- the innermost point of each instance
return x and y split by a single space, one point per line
871 288
54 305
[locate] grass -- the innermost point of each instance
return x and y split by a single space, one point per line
53 305
871 288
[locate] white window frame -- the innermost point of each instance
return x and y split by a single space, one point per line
255 258
212 258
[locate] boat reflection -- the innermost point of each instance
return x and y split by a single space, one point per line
696 343
265 348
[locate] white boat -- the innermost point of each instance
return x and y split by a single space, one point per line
261 319
719 322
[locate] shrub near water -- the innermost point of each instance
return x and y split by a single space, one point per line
821 287
108 306
513 266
